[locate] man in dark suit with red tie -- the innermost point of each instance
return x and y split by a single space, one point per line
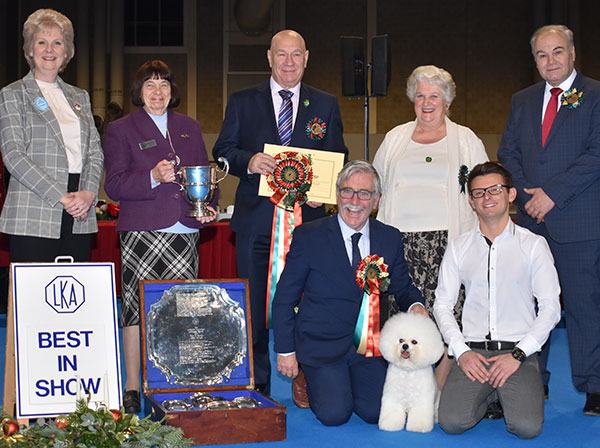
280 111
551 145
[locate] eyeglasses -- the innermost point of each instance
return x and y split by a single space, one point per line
348 193
493 190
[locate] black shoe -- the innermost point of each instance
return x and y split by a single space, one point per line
131 402
494 411
263 388
592 404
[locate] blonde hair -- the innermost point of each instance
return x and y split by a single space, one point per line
45 19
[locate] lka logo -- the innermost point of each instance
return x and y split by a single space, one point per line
65 294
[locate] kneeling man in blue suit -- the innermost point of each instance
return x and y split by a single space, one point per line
320 279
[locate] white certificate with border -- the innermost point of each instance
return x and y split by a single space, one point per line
325 166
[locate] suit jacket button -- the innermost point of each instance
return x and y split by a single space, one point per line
176 196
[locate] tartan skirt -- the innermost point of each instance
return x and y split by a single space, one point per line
150 255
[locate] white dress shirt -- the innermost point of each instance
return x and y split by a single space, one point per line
502 282
364 244
278 100
565 85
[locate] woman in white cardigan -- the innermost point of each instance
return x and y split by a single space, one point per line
424 166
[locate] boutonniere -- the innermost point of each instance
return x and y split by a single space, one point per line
316 129
572 99
306 103
77 107
463 176
372 274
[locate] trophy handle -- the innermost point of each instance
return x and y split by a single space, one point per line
224 161
178 173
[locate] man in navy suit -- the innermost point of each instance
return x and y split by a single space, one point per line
556 167
250 122
319 279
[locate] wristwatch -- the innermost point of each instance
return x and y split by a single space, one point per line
519 354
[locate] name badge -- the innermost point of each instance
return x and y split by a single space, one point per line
147 144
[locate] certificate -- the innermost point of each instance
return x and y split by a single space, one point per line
325 166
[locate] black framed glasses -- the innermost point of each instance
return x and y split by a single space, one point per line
348 193
493 190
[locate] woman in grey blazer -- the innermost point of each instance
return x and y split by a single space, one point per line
51 148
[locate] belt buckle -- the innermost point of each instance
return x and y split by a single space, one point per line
492 345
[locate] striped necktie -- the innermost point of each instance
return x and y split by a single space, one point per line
284 121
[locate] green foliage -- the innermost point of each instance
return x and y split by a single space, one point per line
86 428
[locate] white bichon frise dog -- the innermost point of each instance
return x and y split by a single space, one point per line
411 343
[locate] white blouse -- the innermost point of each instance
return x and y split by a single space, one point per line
67 120
420 185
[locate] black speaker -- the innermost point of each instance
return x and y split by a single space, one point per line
353 66
381 71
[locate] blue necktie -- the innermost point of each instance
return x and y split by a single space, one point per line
356 258
284 121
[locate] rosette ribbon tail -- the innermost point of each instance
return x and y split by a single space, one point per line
284 222
366 332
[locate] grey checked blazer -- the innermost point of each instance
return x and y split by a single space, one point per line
34 153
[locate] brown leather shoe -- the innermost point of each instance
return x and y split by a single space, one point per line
299 394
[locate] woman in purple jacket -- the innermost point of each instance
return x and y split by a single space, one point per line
158 241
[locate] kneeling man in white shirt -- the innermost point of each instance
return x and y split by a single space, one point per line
512 304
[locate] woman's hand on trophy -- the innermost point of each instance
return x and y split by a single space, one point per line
207 219
163 172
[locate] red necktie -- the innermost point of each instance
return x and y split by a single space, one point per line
551 111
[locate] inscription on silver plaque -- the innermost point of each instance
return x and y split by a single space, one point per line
196 334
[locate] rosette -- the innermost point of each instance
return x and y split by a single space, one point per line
372 277
290 180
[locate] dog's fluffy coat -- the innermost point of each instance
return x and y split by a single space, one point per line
411 343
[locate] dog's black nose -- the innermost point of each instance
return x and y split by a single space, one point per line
404 346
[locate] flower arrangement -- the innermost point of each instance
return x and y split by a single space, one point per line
87 428
107 211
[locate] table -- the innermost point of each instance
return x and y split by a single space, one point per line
216 250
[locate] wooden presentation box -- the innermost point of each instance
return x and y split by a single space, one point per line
266 422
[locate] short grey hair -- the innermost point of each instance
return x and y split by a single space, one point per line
359 166
431 74
559 29
45 19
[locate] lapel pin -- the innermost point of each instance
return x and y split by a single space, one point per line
77 107
185 136
41 103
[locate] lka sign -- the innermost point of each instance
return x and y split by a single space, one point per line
65 294
66 336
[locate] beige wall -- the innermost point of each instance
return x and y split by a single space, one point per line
483 44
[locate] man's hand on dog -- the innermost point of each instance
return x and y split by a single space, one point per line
288 365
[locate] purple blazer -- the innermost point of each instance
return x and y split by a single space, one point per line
128 168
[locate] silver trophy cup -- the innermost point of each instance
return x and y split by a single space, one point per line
199 184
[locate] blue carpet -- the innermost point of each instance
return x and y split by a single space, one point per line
565 425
